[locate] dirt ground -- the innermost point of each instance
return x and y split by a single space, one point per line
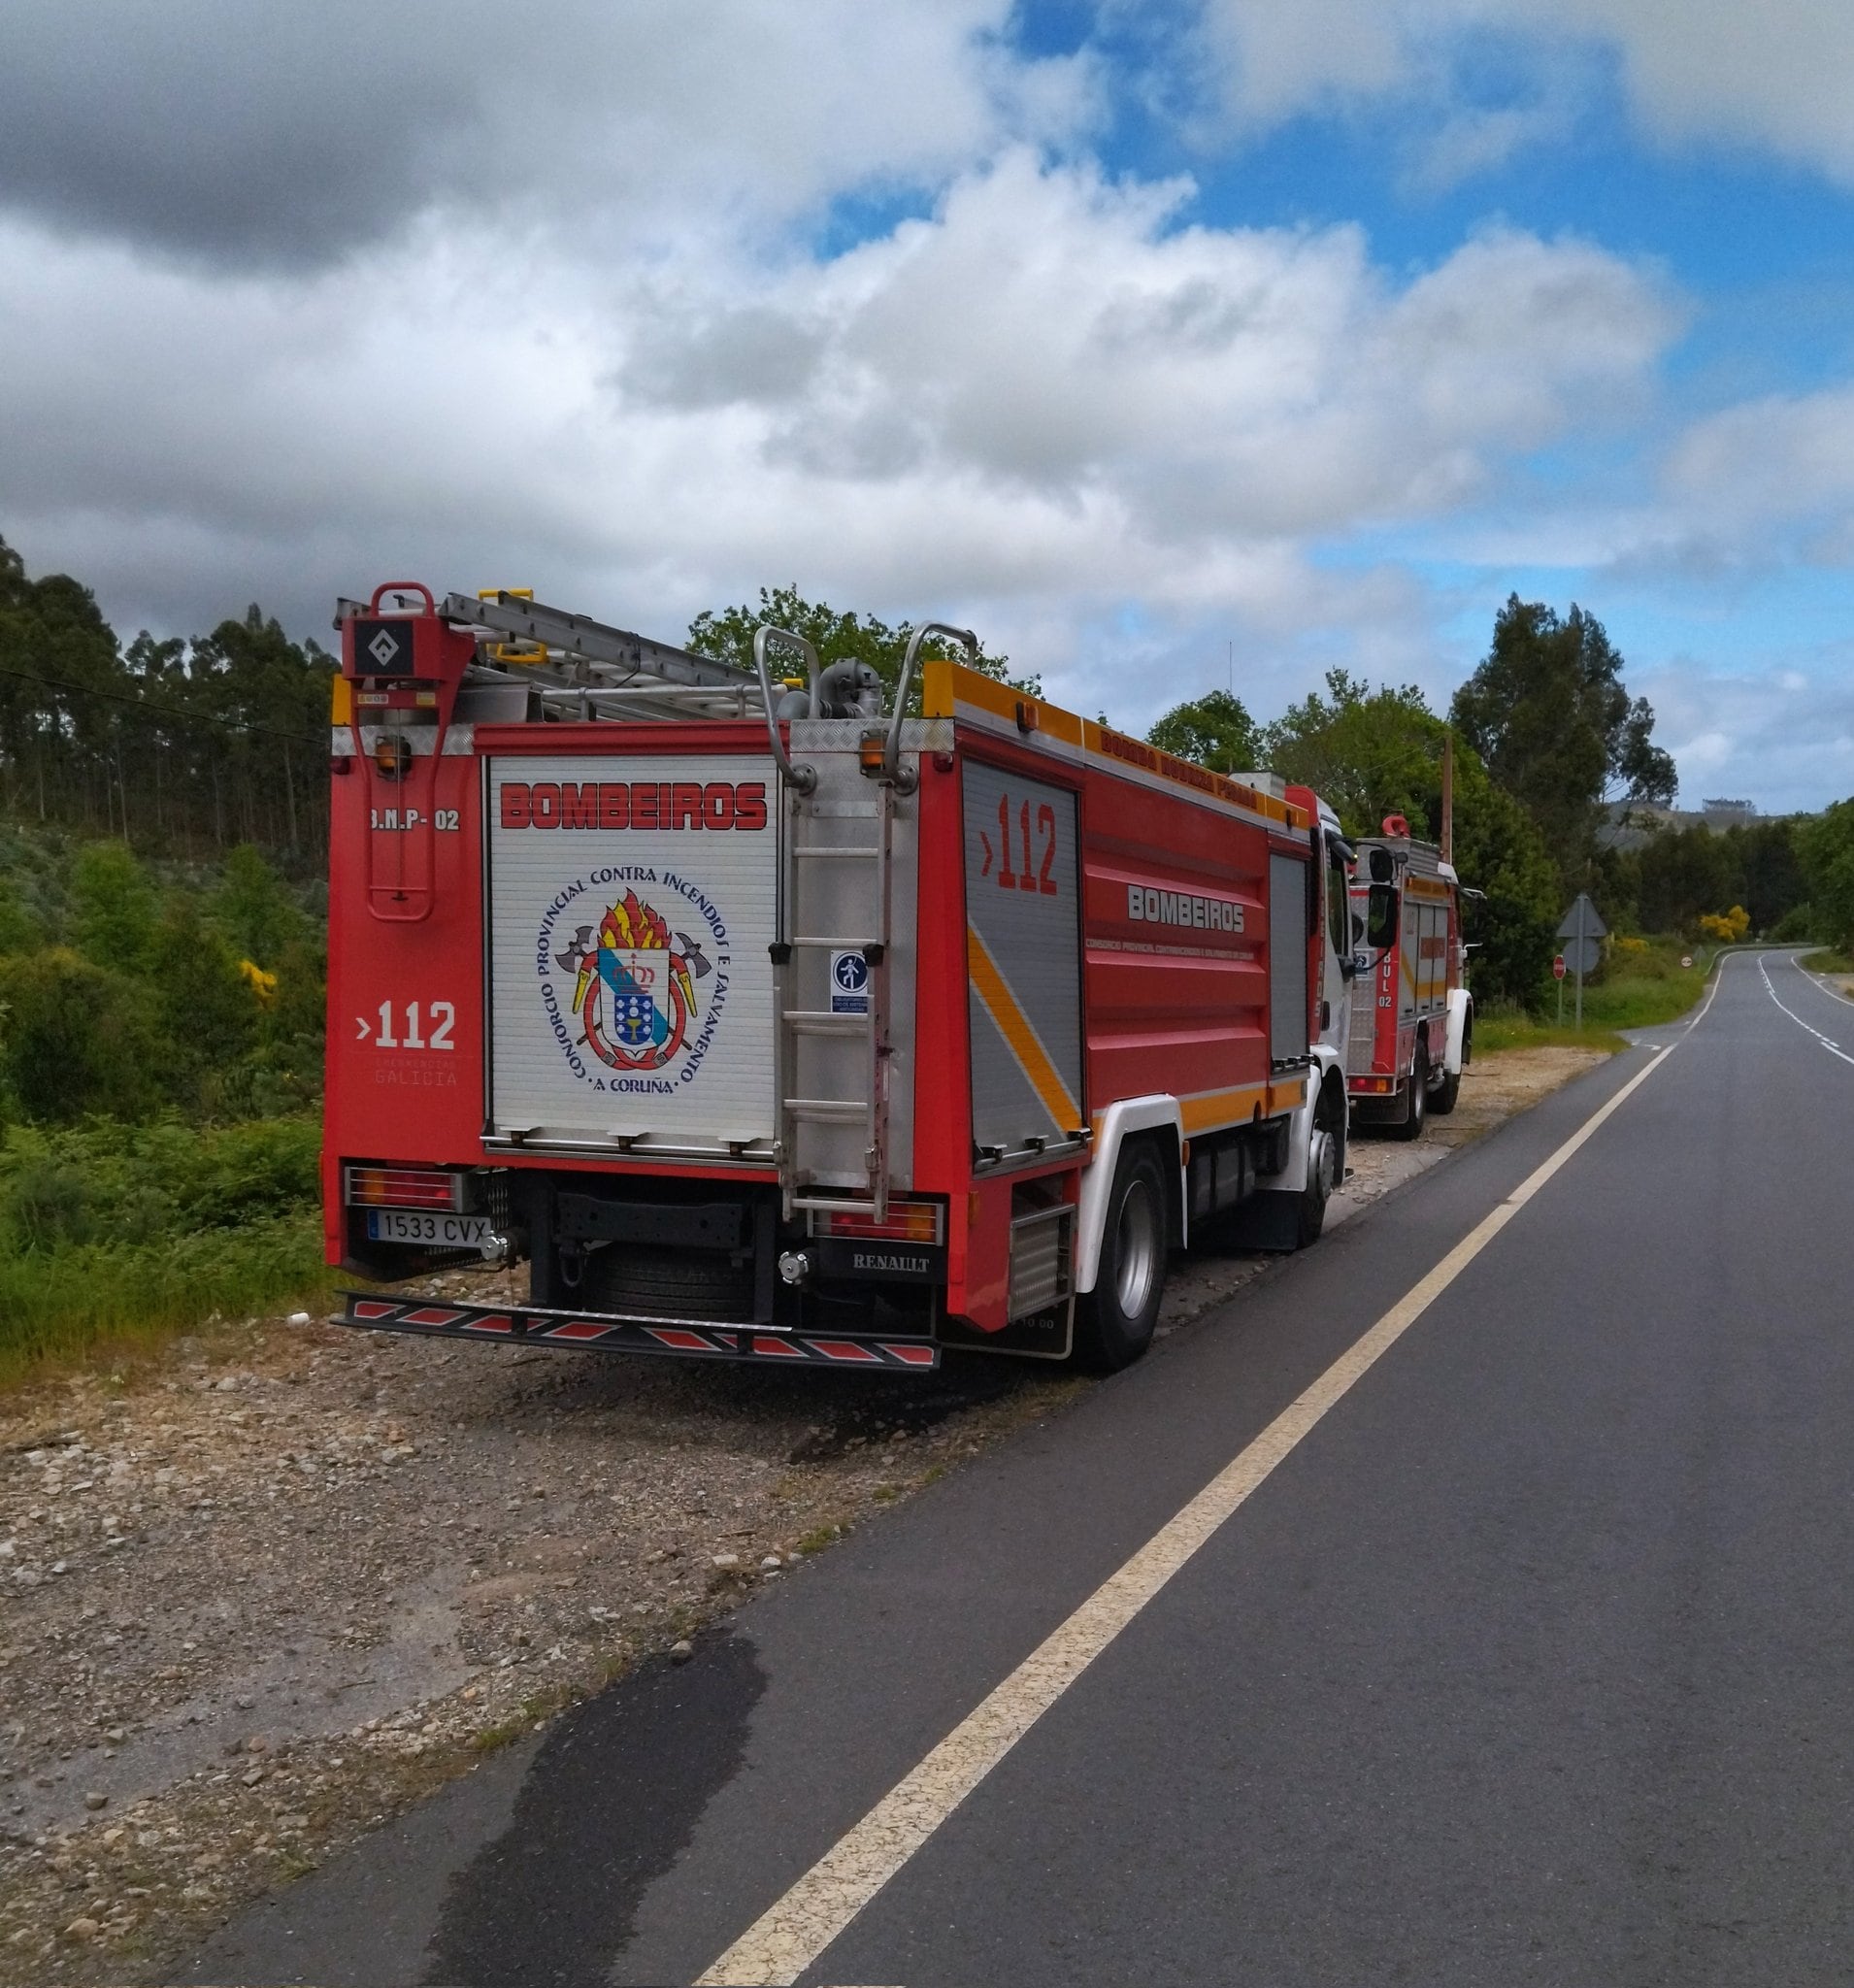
282 1580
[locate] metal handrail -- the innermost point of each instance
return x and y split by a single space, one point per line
904 778
803 778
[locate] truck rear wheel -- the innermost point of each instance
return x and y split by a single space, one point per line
1114 1321
1447 1092
1418 1112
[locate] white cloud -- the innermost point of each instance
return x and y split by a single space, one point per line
1781 460
390 297
1772 76
286 136
1043 405
1785 736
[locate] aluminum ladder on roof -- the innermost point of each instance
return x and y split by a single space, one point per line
613 658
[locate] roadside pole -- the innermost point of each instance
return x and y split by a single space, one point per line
1580 927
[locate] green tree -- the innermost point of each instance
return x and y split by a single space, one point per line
79 1039
288 1060
115 908
19 930
1548 713
1497 851
1367 753
60 749
252 908
1771 868
1686 872
1370 753
169 746
1827 847
265 701
727 634
1213 730
208 1014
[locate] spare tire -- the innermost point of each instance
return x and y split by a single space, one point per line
649 1280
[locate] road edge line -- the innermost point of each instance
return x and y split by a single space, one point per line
793 1932
1817 980
1694 1021
1832 1048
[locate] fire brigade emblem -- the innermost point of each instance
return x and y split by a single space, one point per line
633 989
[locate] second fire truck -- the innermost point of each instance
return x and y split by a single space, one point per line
763 1024
1412 1021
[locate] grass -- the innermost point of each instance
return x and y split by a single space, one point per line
1503 1031
1827 961
114 1237
1640 987
64 1306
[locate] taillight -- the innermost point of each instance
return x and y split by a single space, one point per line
403 1187
906 1222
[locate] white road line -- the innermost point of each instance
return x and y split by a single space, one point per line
794 1931
1816 981
1710 993
1834 1048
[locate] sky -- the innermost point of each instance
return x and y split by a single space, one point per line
1174 348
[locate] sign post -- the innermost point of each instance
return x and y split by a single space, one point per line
1558 974
1583 926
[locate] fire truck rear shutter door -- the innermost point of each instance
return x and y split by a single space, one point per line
1023 961
1287 958
631 900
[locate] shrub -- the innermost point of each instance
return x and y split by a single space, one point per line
115 908
254 908
1728 929
79 1039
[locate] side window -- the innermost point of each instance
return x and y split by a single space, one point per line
1380 921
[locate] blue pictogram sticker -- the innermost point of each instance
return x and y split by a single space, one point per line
849 983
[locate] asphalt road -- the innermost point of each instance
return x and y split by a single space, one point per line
1531 1662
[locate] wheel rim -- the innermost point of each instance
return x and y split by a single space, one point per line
1325 1164
1135 1250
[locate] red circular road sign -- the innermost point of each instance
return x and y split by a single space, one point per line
1558 967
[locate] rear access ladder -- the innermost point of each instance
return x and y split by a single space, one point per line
831 983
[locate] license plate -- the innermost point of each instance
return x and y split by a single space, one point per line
417 1225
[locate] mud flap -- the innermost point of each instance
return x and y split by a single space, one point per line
1268 1220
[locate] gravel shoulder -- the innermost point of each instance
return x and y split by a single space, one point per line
284 1580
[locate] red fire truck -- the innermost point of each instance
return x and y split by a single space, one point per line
1412 1023
764 1026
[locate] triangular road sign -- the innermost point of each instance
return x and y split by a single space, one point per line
1592 927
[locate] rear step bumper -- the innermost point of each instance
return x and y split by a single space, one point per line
599 1332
